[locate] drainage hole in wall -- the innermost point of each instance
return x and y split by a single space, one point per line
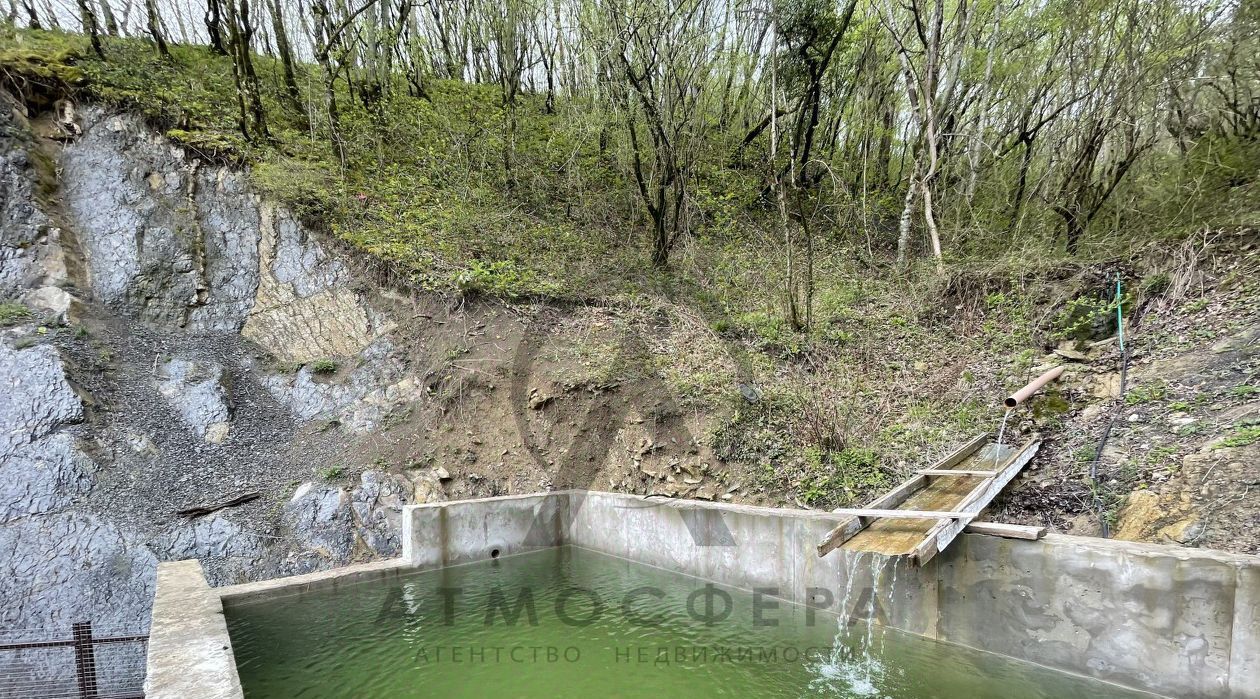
494 553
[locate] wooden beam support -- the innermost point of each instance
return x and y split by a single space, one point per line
904 514
1006 531
955 472
850 527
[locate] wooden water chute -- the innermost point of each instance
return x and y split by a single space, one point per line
919 518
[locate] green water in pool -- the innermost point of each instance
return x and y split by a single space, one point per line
568 622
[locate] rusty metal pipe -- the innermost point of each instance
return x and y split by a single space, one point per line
1035 385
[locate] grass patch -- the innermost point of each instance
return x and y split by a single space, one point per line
839 477
1139 395
12 314
1243 436
324 366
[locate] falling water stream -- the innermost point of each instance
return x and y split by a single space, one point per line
997 448
854 666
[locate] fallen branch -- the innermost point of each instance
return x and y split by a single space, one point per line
201 510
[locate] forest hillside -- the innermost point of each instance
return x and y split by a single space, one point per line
817 241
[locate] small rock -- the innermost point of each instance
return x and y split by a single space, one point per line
141 444
196 390
217 433
1106 386
51 299
426 487
442 474
1092 411
540 401
750 393
1071 354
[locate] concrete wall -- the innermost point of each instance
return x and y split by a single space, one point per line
190 653
449 533
435 536
1176 621
1141 615
1171 620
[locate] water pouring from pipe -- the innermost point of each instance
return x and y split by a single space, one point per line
1017 398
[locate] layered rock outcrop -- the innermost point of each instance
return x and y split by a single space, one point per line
169 305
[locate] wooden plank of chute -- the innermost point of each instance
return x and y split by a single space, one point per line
850 527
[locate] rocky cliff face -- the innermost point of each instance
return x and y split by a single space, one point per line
171 306
188 342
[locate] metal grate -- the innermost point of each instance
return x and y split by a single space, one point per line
81 664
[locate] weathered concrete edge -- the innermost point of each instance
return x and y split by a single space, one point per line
683 503
190 653
460 531
266 590
1244 661
413 559
1133 547
275 587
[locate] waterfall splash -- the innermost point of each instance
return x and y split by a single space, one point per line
855 666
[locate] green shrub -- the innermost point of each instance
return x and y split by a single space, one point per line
1146 394
324 366
771 333
499 278
1156 284
836 477
1085 318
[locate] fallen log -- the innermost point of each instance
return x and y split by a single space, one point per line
205 509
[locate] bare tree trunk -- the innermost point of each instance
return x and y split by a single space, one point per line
906 222
214 25
325 41
780 196
155 31
32 17
50 15
90 26
285 51
253 118
111 24
930 218
126 14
